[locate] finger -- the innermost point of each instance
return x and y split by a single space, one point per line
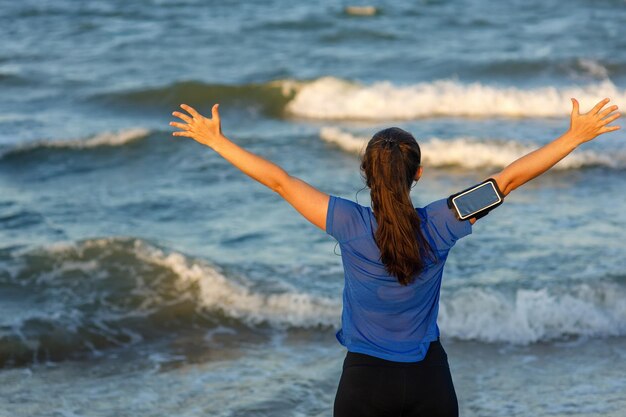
190 110
180 125
188 134
215 112
610 118
598 106
609 129
575 107
182 116
607 111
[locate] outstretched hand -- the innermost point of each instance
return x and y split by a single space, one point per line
202 129
587 126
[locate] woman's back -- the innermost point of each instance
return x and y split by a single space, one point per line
381 317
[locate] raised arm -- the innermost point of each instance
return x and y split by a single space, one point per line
583 128
308 201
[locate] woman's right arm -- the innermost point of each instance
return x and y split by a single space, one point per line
583 128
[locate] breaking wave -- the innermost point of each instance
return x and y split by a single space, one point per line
105 139
456 152
72 299
529 316
113 292
332 98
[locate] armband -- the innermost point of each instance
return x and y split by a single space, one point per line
476 201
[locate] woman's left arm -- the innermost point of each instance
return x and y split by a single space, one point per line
307 200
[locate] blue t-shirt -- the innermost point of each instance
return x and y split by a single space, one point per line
381 317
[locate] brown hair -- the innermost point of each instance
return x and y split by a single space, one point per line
389 165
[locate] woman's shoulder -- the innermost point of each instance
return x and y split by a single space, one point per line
347 218
441 225
435 209
348 205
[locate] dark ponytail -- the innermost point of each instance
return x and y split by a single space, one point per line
389 164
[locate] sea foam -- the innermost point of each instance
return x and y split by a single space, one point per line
438 152
217 293
529 316
106 293
103 139
334 98
119 138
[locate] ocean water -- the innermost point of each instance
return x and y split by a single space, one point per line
141 275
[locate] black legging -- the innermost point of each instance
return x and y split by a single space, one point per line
374 387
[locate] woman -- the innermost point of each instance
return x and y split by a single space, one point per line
393 257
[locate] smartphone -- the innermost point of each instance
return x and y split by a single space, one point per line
476 201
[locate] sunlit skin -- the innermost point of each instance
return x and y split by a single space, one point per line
313 204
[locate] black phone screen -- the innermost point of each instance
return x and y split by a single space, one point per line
476 199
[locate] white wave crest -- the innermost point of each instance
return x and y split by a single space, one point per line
530 316
119 138
335 99
468 152
218 293
484 314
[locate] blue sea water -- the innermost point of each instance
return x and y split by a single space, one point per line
142 275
